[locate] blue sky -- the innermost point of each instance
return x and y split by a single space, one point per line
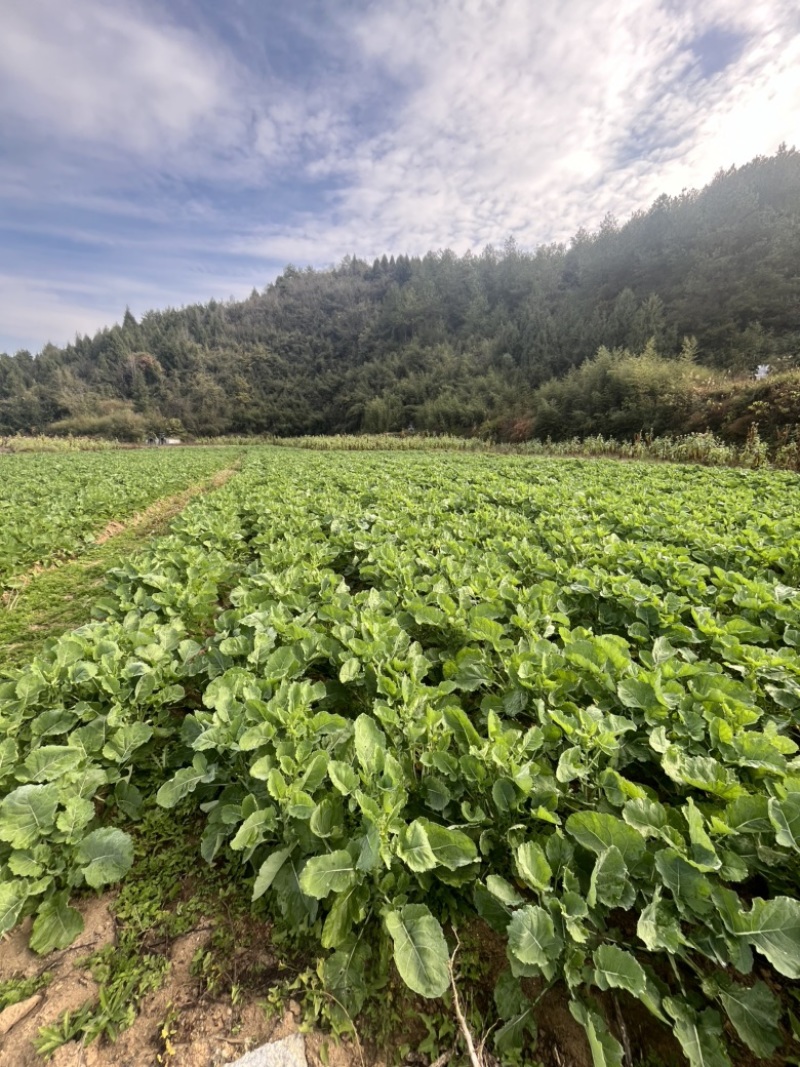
157 154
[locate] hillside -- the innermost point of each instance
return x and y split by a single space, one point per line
706 284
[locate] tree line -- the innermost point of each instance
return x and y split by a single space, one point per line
654 325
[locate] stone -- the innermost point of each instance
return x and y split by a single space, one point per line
290 1052
11 1015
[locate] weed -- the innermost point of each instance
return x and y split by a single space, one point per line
15 990
167 1033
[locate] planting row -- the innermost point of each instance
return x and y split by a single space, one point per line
54 505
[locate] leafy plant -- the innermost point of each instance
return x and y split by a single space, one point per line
410 693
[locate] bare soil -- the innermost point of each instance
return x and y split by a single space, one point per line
179 1024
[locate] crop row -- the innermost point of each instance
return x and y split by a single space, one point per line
415 692
54 505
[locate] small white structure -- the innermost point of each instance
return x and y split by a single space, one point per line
172 440
762 370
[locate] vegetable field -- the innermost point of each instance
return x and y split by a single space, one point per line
54 505
554 703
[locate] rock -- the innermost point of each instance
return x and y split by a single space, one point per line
11 1015
295 1009
290 1052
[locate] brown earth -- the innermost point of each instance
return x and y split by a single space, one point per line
179 1024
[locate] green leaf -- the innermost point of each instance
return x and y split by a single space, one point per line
186 781
509 997
638 693
344 977
437 795
532 938
106 855
597 832
13 895
748 815
703 853
77 814
315 772
370 743
25 865
700 772
468 670
609 883
254 737
8 756
606 1050
465 733
27 814
504 891
326 818
296 906
773 927
124 741
369 845
348 672
414 848
755 1012
533 866
491 909
617 969
511 1034
261 768
331 873
700 1035
344 778
267 871
51 761
451 848
348 908
658 927
571 765
785 818
424 845
420 950
56 925
647 816
504 794
129 799
253 830
689 887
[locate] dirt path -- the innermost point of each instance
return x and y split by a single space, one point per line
48 600
143 523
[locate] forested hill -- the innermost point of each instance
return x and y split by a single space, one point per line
448 343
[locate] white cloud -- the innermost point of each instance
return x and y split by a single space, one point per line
452 123
104 74
34 309
114 84
519 116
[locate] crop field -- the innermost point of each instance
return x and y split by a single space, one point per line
54 505
413 700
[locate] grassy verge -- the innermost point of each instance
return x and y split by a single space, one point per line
48 602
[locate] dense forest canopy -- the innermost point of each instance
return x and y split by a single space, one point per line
679 301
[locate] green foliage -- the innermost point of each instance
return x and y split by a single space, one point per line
54 507
150 912
451 344
15 990
405 691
